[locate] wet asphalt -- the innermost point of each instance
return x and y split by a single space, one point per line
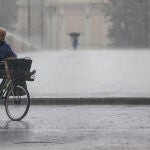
75 127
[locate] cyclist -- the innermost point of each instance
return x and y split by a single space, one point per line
5 49
5 52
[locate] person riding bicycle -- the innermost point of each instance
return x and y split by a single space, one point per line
5 52
5 49
13 88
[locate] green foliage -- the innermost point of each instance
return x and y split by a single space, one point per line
8 13
129 22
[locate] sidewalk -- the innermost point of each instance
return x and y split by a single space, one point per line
91 73
92 101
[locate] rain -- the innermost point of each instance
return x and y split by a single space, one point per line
80 49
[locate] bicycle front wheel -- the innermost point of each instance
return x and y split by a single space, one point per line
17 102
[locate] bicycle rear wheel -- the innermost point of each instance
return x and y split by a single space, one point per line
17 102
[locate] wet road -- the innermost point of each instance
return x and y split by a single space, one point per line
101 127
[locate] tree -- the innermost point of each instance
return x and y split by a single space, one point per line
129 22
8 13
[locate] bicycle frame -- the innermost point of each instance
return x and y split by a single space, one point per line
5 85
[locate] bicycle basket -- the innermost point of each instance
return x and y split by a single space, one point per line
22 64
18 69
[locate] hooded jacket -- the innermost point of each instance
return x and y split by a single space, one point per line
6 51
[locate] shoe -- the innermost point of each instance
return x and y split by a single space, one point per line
33 72
2 97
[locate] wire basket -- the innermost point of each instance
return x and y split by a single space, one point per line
18 69
22 64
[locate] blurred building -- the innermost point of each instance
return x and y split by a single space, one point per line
56 24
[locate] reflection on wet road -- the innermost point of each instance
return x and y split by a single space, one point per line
78 128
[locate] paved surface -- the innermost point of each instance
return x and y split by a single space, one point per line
96 127
90 73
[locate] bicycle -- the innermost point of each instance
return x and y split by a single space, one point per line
13 88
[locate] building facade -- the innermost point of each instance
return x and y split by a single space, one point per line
63 24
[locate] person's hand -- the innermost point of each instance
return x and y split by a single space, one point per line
10 58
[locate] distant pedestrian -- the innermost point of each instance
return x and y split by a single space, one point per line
75 43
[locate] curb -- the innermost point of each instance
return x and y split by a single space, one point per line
92 101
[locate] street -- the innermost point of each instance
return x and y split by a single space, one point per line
86 127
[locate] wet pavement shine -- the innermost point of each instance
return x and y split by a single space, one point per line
86 127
